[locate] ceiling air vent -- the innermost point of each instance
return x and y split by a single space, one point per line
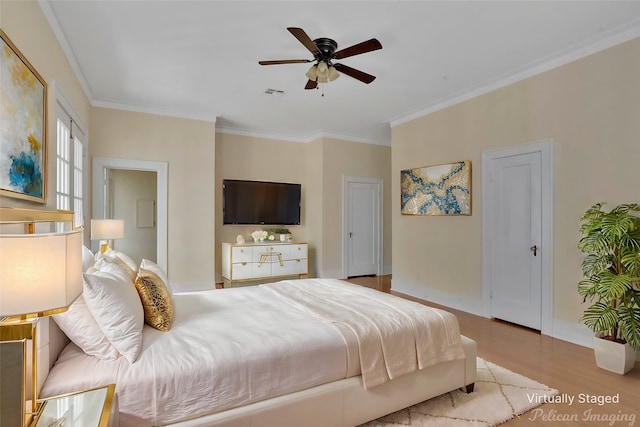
274 92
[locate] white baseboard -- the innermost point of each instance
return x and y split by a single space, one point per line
575 333
457 302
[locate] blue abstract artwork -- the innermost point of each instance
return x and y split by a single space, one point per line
437 190
22 126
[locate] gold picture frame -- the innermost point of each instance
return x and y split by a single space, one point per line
436 190
23 126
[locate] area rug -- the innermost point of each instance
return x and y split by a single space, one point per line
499 396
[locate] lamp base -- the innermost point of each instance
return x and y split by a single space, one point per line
12 388
19 329
104 246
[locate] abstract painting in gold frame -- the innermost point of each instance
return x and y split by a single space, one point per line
23 126
436 190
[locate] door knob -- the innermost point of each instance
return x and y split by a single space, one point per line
534 248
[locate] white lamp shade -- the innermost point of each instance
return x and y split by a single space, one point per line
40 273
107 229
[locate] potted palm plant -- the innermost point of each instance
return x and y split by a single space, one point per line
611 283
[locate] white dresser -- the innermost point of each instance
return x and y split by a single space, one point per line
259 261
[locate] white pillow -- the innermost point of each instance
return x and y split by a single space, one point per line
106 266
88 259
115 304
124 261
155 268
80 326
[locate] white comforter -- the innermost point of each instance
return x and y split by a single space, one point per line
231 347
395 336
226 348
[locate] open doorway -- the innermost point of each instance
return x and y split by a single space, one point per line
143 211
132 196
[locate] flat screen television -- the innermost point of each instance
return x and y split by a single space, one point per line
259 202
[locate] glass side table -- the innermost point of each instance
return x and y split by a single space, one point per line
97 407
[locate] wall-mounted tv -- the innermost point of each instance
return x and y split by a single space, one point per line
259 202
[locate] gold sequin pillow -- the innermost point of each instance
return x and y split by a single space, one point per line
156 300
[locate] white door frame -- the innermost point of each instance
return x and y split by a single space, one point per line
545 147
100 166
345 214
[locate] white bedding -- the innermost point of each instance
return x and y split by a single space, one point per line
231 347
395 336
233 358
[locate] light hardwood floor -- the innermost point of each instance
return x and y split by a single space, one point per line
559 364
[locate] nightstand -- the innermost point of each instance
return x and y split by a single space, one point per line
97 407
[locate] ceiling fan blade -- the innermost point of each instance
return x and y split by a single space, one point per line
357 49
356 74
311 84
285 61
304 39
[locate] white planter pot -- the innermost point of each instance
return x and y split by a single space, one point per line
613 356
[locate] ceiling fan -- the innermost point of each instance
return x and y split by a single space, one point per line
324 52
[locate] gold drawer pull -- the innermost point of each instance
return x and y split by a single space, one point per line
244 263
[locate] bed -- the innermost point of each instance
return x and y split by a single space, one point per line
313 352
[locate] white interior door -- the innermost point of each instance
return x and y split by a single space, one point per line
516 225
362 226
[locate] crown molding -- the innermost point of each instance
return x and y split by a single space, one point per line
157 111
291 138
52 19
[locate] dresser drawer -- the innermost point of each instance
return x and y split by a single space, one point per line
241 254
296 266
241 271
298 251
261 270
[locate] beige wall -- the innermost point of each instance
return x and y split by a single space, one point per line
25 25
591 111
319 166
188 146
342 158
259 159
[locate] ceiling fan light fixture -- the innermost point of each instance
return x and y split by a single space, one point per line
312 74
333 73
323 70
324 50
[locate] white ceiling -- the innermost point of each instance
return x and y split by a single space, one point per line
199 59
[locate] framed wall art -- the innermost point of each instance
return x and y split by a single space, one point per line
437 190
23 126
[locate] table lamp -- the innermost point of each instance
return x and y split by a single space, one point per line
106 230
40 275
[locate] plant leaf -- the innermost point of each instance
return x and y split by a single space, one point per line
630 325
614 286
600 317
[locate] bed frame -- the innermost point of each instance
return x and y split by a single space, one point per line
343 403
